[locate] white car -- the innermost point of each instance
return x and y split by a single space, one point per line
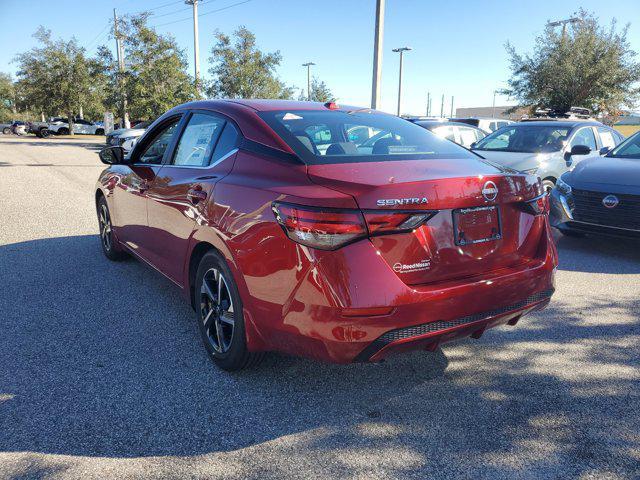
127 137
486 124
60 126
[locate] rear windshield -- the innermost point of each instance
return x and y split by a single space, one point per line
362 136
526 139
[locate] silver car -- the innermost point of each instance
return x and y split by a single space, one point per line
547 148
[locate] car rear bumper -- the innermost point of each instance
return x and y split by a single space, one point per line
340 330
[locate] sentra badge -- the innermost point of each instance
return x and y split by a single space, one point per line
392 202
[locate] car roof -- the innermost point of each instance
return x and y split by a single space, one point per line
265 105
439 124
551 123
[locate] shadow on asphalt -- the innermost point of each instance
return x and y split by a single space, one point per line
104 359
58 143
598 254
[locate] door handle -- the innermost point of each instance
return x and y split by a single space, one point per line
196 194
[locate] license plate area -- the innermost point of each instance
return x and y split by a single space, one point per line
476 225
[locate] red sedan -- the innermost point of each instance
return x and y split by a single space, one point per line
332 232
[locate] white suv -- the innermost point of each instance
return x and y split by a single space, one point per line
60 126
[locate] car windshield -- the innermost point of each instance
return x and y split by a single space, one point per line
630 148
526 139
318 137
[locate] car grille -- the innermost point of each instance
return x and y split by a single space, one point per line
588 208
432 327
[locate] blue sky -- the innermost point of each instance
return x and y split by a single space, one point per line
458 47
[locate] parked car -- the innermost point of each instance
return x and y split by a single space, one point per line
601 195
486 124
461 133
127 137
547 148
19 128
39 129
349 253
5 128
60 126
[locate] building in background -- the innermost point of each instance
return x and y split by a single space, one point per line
491 112
628 124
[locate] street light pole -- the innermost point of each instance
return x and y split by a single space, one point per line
308 65
120 55
401 51
196 44
493 107
377 54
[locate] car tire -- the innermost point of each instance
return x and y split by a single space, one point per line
63 131
44 133
220 315
109 243
6 130
100 131
548 184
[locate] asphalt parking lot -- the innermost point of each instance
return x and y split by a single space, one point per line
102 373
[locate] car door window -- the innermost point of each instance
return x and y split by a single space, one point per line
606 137
226 143
584 136
197 141
154 151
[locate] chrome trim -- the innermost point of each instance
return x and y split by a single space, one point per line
221 159
565 207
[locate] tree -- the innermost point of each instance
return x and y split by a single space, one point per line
319 92
155 78
241 70
588 66
55 77
7 98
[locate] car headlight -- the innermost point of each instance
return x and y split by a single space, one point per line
563 187
531 171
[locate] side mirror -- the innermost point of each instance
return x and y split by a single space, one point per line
580 150
473 145
112 155
605 150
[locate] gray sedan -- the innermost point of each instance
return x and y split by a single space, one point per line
547 148
601 195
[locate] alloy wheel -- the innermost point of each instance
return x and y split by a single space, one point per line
217 310
105 227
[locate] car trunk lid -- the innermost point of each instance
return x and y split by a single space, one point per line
469 232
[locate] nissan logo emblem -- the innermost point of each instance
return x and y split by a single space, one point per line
490 191
610 201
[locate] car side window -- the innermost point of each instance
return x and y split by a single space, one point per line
154 152
227 142
606 137
584 136
197 140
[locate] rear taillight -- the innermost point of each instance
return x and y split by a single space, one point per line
326 229
538 205
330 228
